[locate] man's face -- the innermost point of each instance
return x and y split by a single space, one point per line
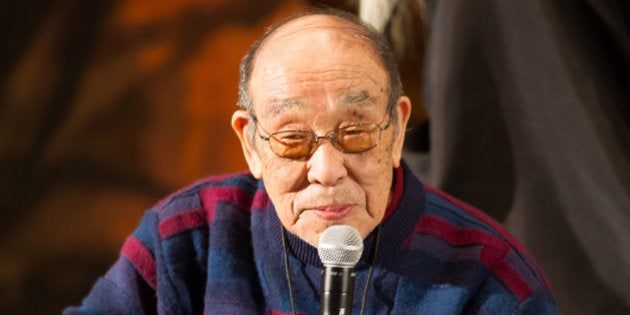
311 76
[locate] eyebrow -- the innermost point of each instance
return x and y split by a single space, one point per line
361 98
279 106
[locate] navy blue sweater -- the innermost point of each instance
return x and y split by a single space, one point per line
216 248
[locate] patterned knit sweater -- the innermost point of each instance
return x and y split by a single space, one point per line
216 248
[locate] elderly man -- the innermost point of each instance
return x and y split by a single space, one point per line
322 127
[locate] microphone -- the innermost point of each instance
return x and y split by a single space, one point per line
339 248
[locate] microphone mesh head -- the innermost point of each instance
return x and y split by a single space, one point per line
340 245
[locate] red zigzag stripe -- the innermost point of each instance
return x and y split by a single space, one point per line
181 222
195 218
141 258
495 225
492 254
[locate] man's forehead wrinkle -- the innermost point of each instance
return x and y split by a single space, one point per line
348 95
339 72
361 98
351 79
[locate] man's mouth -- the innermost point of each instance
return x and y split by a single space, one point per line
331 213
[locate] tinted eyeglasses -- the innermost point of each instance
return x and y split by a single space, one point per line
296 144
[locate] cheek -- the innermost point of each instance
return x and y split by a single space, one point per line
376 179
381 160
383 152
282 180
284 176
384 159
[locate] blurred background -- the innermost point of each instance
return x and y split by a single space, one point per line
108 106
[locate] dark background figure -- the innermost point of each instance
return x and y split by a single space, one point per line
529 121
106 106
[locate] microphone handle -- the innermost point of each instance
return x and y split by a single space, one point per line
337 290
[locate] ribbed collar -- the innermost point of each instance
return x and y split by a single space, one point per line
403 212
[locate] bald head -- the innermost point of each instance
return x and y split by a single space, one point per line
314 30
321 31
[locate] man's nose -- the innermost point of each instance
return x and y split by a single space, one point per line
326 165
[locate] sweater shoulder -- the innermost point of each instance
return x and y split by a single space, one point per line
462 227
194 205
450 210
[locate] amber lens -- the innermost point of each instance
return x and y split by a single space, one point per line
292 144
357 139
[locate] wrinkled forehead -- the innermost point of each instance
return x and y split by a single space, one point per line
317 47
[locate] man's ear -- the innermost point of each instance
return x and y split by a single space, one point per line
403 109
240 124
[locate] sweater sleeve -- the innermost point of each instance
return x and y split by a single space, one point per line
505 295
540 302
129 285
